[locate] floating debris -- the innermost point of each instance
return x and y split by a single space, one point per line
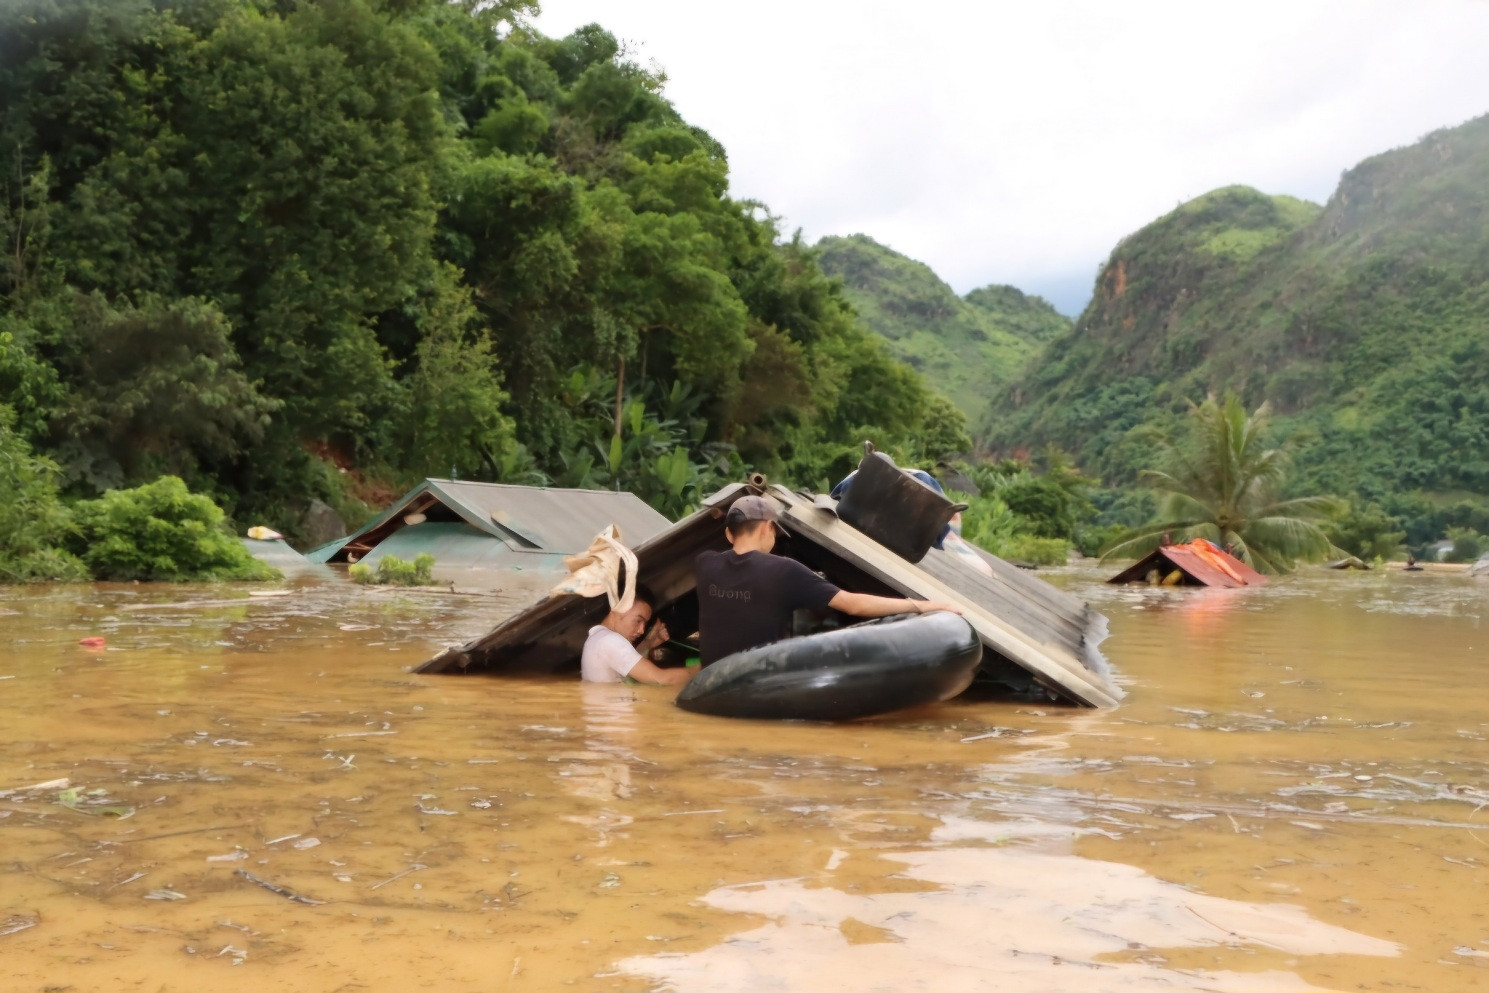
997 732
93 802
15 922
278 890
46 787
411 869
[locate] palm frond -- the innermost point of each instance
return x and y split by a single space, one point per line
1325 507
1139 541
1289 540
1221 483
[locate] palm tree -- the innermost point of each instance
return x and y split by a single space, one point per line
1221 483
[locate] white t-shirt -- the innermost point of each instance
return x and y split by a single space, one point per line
608 657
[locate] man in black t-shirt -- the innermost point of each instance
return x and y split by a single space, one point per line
746 595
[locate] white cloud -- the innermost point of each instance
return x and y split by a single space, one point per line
1017 143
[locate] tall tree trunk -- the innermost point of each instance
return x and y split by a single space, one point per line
620 389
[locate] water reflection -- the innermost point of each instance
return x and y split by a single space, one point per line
996 916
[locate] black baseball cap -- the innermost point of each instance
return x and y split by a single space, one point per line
752 508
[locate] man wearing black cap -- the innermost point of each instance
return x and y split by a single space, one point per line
746 595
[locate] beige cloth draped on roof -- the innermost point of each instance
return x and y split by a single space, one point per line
596 571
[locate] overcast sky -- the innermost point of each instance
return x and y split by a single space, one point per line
1018 142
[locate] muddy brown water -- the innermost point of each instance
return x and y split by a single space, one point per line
1288 799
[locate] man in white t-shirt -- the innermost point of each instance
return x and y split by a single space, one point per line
611 652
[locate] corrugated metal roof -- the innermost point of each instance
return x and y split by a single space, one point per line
551 519
523 518
459 549
1205 568
1209 572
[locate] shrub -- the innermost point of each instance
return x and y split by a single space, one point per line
1049 509
1034 550
987 521
33 521
393 571
1091 539
162 531
1367 533
1468 545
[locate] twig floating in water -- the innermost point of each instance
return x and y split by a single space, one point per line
413 868
277 889
683 813
177 834
1234 936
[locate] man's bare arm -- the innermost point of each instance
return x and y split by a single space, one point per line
646 671
868 605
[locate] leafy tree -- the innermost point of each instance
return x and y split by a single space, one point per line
254 243
162 531
154 388
34 523
454 422
1367 533
1221 483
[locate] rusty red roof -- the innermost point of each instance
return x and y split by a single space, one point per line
1208 566
1204 567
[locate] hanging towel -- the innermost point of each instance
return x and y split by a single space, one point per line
596 571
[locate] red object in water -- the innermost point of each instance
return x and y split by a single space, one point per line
94 642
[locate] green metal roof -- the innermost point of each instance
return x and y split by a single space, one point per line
535 519
457 547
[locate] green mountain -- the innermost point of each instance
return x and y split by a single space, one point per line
968 347
1364 322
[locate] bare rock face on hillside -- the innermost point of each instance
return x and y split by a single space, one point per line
320 524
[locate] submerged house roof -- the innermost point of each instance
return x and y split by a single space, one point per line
1033 635
1197 564
476 525
290 563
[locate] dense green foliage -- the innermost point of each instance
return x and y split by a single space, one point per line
34 524
1019 513
161 531
969 347
1221 482
246 238
1365 324
393 571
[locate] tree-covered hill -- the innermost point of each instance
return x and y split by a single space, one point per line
968 347
287 249
1364 322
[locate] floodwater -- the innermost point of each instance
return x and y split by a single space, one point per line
1290 798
